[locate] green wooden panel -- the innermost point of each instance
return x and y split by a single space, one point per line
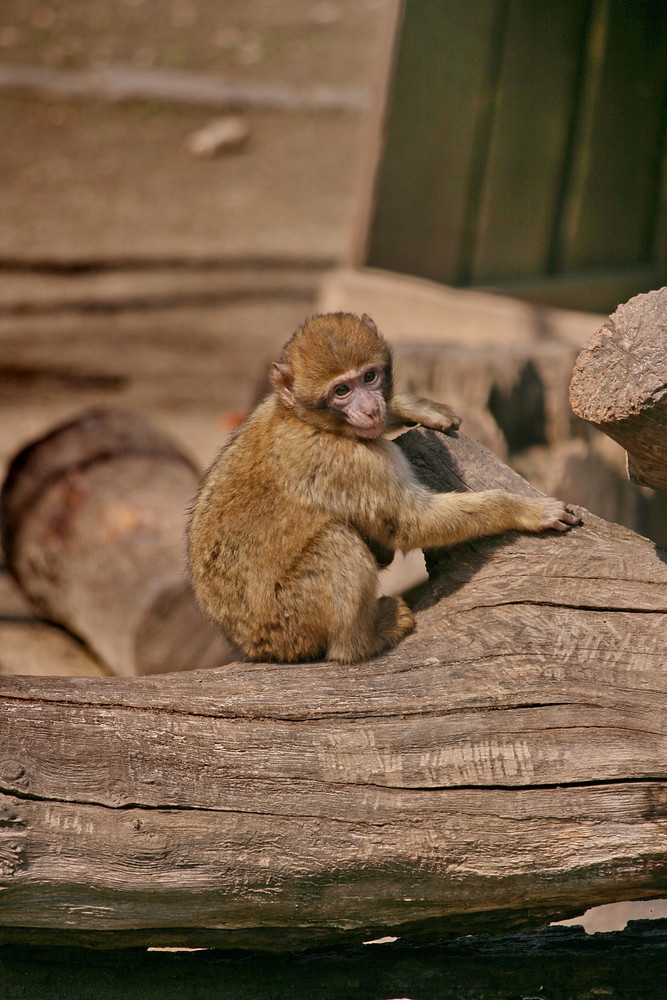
525 141
599 291
612 197
437 100
529 143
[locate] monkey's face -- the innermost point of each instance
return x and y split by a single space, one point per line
335 374
358 397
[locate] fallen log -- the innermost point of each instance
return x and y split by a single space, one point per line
619 385
93 518
503 767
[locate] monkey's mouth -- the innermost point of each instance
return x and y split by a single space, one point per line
374 430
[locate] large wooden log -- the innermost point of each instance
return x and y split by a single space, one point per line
619 384
504 766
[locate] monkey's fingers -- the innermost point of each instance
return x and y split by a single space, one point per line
559 518
455 422
442 419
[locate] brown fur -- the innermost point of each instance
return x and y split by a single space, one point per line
286 521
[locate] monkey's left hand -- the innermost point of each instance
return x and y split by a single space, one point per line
407 409
439 417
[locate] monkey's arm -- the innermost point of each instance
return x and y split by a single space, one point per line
438 519
389 504
406 409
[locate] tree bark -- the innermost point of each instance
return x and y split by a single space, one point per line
619 385
504 766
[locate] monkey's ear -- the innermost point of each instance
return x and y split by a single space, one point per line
282 381
367 321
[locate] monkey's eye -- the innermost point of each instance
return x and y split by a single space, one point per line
370 375
342 390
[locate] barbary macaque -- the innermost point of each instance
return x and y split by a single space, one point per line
308 499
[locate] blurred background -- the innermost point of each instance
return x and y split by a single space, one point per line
136 269
182 182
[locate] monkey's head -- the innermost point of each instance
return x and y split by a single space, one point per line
335 373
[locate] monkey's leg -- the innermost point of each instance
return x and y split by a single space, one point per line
381 625
328 605
394 621
362 625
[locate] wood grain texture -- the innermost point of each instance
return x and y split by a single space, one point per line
505 766
619 384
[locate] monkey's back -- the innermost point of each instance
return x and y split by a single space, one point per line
257 521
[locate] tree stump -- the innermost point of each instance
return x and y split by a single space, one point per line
619 385
503 767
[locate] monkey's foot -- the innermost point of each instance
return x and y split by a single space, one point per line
394 621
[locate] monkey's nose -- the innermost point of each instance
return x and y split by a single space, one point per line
371 410
372 407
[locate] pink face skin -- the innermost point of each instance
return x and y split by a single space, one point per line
359 396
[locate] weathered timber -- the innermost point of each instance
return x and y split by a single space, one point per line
93 517
619 384
504 766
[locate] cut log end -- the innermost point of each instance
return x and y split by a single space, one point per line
619 384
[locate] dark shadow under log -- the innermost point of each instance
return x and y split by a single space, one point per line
504 766
631 965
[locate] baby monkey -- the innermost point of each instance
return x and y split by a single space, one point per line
307 500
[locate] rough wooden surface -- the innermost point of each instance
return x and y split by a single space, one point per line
505 766
619 384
